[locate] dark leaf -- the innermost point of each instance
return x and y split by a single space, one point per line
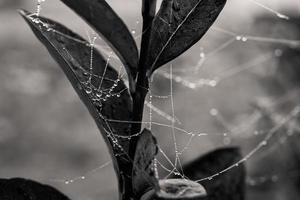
177 189
108 24
100 88
178 25
22 189
143 175
226 186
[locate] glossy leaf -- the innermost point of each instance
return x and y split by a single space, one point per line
226 186
177 189
22 189
143 175
106 99
109 25
178 25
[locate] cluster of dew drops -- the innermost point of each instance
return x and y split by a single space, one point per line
98 95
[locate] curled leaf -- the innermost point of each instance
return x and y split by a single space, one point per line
180 189
143 175
178 25
109 25
22 189
98 85
229 185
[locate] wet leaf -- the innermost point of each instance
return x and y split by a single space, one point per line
22 189
180 189
99 87
109 25
143 175
227 186
178 25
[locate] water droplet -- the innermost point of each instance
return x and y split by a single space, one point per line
238 37
192 85
176 174
88 90
83 177
67 182
99 94
282 16
213 83
214 112
133 32
244 39
202 55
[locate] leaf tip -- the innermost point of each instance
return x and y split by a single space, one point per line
22 12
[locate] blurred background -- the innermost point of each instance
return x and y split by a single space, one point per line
235 85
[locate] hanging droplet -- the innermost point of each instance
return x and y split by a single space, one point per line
88 90
238 37
39 7
244 39
264 143
213 83
202 55
192 85
282 16
214 112
176 173
99 94
178 79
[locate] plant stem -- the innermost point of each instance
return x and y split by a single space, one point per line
148 13
142 84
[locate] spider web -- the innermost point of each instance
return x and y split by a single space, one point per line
188 78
